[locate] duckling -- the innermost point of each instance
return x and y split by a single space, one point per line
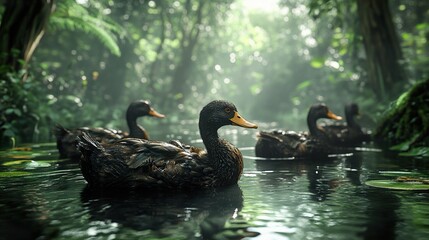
286 144
67 138
135 163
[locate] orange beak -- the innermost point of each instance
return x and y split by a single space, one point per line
240 121
154 113
331 115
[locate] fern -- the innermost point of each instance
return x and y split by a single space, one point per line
74 17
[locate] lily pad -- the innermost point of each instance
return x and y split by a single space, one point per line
400 173
17 162
395 185
29 164
13 174
36 164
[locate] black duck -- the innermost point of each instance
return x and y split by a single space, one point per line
67 138
349 134
286 144
135 163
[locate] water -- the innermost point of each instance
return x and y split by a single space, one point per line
46 198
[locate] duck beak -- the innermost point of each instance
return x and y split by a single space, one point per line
331 115
154 113
240 121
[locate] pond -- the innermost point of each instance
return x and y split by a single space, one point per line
46 198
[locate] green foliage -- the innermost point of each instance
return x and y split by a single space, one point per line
72 16
272 65
405 123
17 119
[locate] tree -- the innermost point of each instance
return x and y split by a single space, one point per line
382 48
384 72
22 26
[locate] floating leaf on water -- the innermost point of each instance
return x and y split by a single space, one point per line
400 173
13 174
38 145
10 163
36 164
20 156
30 164
26 149
395 185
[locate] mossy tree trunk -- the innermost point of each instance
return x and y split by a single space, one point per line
406 123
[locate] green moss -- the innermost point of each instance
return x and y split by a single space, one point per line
405 124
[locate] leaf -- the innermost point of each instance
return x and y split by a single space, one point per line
418 151
404 146
303 85
422 26
391 184
8 133
37 164
317 62
406 36
399 173
10 163
13 174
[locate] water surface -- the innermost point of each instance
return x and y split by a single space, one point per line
46 197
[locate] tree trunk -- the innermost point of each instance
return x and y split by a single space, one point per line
383 52
21 29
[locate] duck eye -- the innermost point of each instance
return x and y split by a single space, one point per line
227 110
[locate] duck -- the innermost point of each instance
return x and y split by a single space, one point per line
292 144
133 163
349 134
66 139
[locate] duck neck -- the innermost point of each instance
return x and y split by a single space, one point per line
350 119
210 139
225 158
136 131
312 126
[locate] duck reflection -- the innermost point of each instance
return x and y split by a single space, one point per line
353 168
322 173
200 214
24 210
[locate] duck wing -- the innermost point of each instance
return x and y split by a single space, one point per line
67 138
140 163
280 143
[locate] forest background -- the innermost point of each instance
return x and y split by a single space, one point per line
81 62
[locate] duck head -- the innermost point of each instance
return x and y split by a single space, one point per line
141 108
320 110
221 113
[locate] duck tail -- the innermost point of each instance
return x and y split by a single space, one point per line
61 134
87 145
268 136
60 131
